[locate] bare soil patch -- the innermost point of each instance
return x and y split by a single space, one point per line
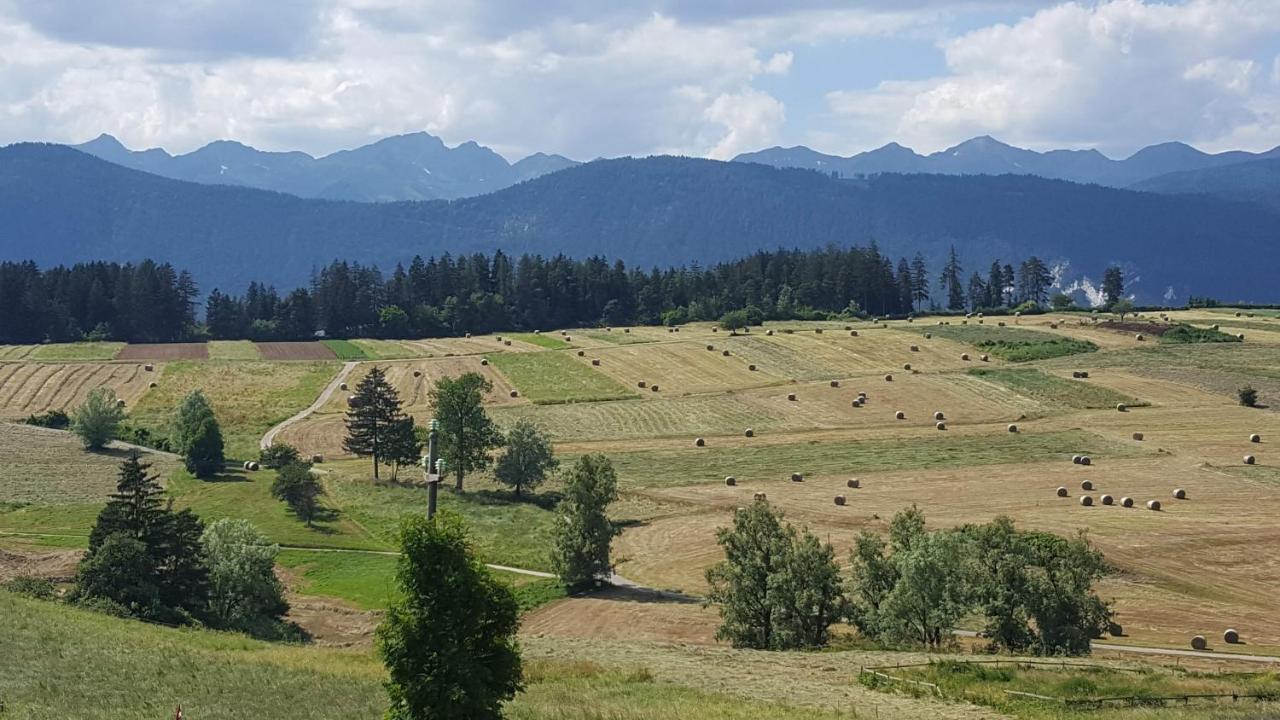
295 351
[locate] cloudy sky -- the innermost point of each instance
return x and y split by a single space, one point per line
588 78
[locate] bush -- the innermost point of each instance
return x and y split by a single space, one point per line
143 437
55 419
1248 396
297 487
98 419
244 592
39 588
279 455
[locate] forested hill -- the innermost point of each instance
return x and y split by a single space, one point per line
58 205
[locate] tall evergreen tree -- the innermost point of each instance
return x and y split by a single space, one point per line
372 419
467 434
1112 285
950 281
919 281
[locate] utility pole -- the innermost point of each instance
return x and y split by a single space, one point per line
432 468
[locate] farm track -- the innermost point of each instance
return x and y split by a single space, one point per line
320 401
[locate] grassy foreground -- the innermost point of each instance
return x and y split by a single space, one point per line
61 662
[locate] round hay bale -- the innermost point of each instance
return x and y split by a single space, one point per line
498 338
840 500
848 327
1198 643
1000 323
915 348
906 366
626 330
1215 327
317 459
1230 636
899 415
941 426
582 353
1075 459
1179 494
854 483
797 477
1138 436
724 353
1086 500
1248 459
149 367
1240 336
417 373
507 343
817 331
653 388
484 362
1255 438
535 332
245 465
749 432
928 336
980 322
791 397
731 481
888 378
939 415
1075 374
564 332
769 333
351 399
853 333
515 393
789 331
1084 374
856 402
1086 460
153 384
1126 502
642 384
343 386
595 361
711 347
985 358
568 339
255 467
1139 337
1018 314
120 403
1086 484
1153 505
1062 492
862 395
1108 500
715 329
469 334
835 383
752 368
1053 326
760 496
700 442
964 356
1013 428
1121 407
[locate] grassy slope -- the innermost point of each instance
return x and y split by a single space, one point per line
1011 343
61 662
551 377
544 341
78 351
659 468
345 349
1050 388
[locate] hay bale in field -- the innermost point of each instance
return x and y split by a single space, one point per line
915 348
507 343
1121 407
626 330
582 353
724 353
980 322
244 465
1086 484
1198 642
731 481
515 393
568 339
964 356
941 426
1075 459
888 378
789 331
254 467
564 332
715 329
153 384
791 397
856 402
817 331
484 362
1126 502
848 327
1108 500
939 415
1062 492
1255 438
653 388
642 384
840 500
1230 636
711 347
700 442
1240 336
417 373
899 415
498 338
862 395
769 333
928 336
752 368
343 386
1086 500
1000 323
1179 494
1013 428
595 361
1139 337
854 483
760 496
749 432
906 366
1086 460
317 459
1153 505
469 334
1248 459
985 358
535 332
797 477
120 403
1138 436
853 333
149 367
835 383
1053 326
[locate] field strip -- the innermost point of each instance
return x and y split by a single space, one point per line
327 393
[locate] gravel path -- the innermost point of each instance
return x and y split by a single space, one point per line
270 437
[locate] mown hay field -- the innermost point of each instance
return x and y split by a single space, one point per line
28 388
50 467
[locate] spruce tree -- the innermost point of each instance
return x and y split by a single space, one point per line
134 509
467 434
375 410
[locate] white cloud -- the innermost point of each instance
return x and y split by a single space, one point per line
1116 75
750 119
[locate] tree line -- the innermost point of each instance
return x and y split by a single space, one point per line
448 296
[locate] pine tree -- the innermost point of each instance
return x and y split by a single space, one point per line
402 446
1112 285
467 434
950 281
134 509
919 280
374 413
583 531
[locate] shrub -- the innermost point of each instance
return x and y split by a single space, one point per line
583 531
279 455
55 419
1248 396
244 592
98 419
298 488
39 588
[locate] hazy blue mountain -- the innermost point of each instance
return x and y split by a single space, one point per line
1257 181
417 166
987 156
58 205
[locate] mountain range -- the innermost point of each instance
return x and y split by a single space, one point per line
417 166
987 156
58 205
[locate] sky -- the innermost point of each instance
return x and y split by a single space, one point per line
586 78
